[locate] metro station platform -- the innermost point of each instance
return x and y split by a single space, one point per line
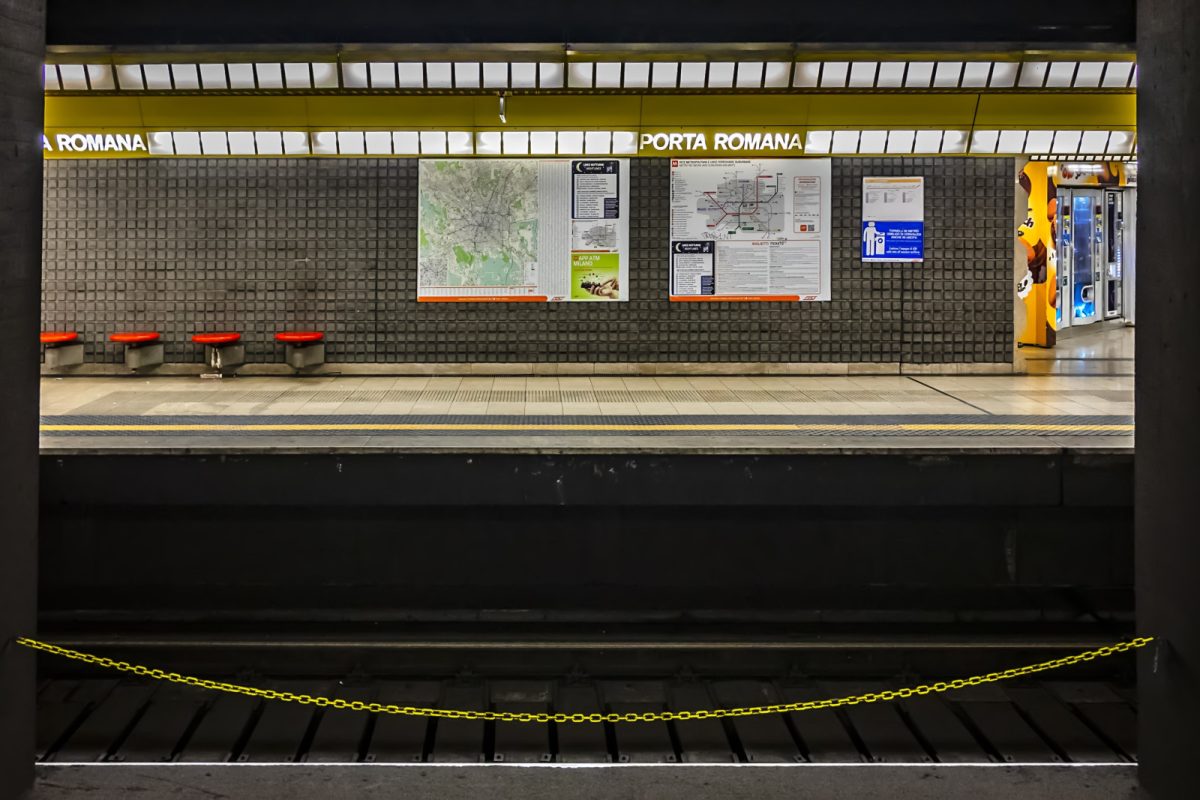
699 414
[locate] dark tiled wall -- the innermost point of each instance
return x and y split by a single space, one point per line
258 245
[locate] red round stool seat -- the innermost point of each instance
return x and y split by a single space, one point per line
134 337
299 337
58 337
216 339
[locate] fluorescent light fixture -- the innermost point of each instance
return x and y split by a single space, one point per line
354 76
488 143
241 76
1011 142
1039 141
806 74
833 75
1120 142
406 143
324 75
187 143
268 143
608 75
579 75
185 76
212 76
50 78
873 142
296 75
891 74
692 74
720 74
438 74
460 143
1116 74
524 75
379 143
1088 75
324 143
844 142
295 143
664 74
100 76
818 141
947 74
160 144
862 74
241 143
749 75
570 142
433 142
954 142
516 143
495 74
269 74
542 143
1004 74
412 75
1033 74
1093 142
1060 74
382 74
597 142
775 74
919 74
550 75
129 77
466 74
213 143
637 75
927 142
1066 142
900 141
74 77
984 141
624 143
975 73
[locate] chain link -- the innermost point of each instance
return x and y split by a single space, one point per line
562 718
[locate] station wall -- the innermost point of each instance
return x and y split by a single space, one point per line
260 245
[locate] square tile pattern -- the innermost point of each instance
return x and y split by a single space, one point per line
260 245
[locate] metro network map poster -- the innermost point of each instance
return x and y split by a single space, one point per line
750 229
534 230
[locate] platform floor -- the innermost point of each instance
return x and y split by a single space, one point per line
700 413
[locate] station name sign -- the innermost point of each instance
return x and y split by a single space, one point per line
94 143
697 141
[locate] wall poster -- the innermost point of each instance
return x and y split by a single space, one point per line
750 229
893 220
534 230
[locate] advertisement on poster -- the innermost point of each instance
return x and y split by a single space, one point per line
750 230
523 230
893 220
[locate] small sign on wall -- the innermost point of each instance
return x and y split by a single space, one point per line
893 220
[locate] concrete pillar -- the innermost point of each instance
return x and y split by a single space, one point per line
1168 394
22 51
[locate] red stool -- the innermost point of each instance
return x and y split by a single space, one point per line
304 348
222 350
143 350
63 349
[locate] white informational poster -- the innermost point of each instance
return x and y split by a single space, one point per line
515 229
893 220
750 229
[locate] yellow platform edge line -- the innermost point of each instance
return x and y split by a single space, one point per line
582 427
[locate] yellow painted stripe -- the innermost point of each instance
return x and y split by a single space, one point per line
634 427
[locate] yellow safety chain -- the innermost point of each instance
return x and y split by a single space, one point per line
650 716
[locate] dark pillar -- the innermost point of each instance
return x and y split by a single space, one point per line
22 51
1168 394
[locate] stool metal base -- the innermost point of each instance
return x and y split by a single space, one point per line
64 355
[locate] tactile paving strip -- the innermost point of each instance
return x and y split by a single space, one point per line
923 425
